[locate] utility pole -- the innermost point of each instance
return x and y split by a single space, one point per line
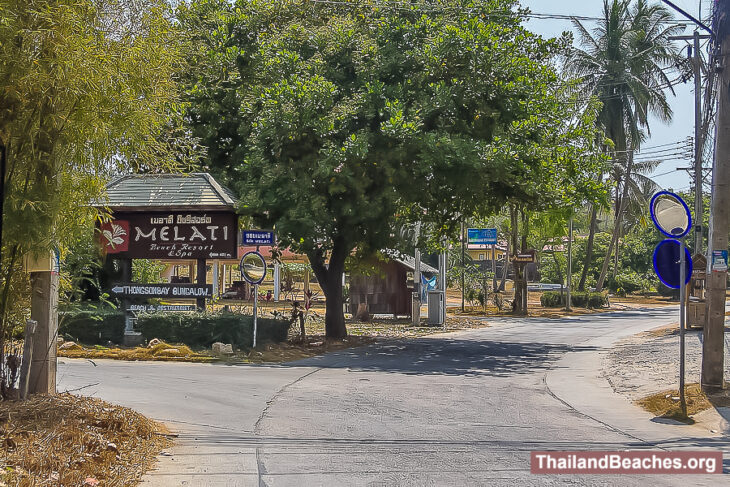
699 138
698 142
713 337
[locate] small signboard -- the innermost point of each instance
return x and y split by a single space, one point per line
179 291
258 237
524 258
158 308
719 261
482 236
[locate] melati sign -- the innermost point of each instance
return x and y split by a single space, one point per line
171 235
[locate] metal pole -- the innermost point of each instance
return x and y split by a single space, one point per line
682 293
494 270
416 303
442 277
570 262
698 144
255 305
463 264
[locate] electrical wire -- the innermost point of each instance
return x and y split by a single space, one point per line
423 7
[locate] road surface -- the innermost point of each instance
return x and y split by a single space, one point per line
464 408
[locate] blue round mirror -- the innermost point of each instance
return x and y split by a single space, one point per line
670 214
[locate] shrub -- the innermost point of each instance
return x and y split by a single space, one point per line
203 329
667 292
92 326
555 299
552 299
630 282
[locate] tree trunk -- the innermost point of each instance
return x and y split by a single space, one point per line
330 280
589 248
617 224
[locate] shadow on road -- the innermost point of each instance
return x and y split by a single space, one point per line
445 357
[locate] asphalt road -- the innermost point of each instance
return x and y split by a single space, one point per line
459 409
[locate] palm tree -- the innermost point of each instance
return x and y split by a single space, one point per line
622 63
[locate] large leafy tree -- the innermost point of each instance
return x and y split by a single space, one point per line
623 63
87 89
336 120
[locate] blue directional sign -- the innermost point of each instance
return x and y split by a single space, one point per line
482 236
666 263
258 237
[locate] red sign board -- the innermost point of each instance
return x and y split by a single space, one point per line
171 235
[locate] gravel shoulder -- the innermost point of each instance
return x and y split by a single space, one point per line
648 362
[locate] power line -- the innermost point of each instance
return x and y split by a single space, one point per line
423 7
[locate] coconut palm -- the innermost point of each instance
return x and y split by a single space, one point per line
623 63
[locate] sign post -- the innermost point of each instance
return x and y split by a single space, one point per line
253 270
672 218
485 236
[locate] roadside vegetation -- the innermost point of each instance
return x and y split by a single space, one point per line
351 128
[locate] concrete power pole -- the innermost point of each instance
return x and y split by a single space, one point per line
713 340
696 65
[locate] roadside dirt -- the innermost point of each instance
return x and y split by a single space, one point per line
66 440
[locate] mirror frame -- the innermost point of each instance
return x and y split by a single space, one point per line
243 273
656 223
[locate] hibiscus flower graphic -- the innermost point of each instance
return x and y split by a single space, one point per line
114 235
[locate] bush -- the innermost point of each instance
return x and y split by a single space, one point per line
92 326
204 329
630 282
667 292
554 299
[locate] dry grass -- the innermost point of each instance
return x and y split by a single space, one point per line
395 328
294 350
666 403
66 440
160 352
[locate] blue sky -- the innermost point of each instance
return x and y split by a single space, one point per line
682 104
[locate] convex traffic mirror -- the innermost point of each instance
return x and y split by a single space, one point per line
253 267
670 214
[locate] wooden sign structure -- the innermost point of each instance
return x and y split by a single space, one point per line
168 217
524 257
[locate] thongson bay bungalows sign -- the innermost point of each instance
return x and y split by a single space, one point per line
171 235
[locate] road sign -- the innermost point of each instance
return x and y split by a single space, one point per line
131 290
158 308
258 237
482 236
524 258
666 263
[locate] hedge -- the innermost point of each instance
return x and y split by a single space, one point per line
555 299
92 326
204 329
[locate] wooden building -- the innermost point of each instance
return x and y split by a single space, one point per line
389 290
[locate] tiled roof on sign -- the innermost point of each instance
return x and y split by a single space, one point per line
196 190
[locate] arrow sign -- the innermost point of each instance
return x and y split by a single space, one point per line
132 290
666 263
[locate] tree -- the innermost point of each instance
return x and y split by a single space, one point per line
622 64
347 118
87 89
